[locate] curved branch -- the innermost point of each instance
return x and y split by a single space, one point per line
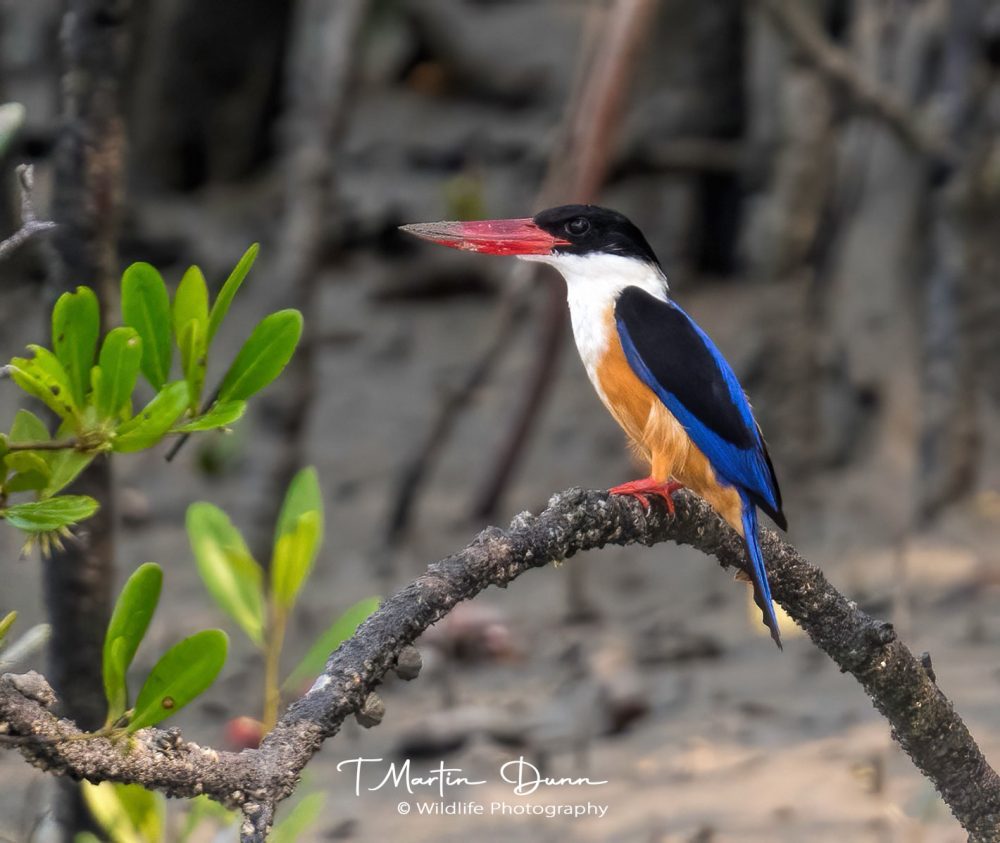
922 718
158 760
30 224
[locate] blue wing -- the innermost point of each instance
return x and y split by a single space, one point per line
676 359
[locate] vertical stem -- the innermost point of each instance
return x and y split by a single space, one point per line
272 665
89 162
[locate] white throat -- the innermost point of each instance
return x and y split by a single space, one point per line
593 284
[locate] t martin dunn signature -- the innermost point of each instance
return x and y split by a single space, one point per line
524 775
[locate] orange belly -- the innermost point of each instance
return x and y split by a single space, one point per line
659 437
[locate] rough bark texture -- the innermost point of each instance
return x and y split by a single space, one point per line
88 184
901 687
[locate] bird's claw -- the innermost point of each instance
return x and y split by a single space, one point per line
641 490
643 499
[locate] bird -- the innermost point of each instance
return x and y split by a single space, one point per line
656 371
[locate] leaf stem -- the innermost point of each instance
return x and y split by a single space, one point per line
70 444
273 643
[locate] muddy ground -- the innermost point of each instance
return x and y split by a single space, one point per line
739 742
668 691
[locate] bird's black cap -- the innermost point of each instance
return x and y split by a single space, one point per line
591 230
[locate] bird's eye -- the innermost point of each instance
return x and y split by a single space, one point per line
578 226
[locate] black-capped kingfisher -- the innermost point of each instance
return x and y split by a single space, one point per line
655 369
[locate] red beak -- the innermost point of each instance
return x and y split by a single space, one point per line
493 237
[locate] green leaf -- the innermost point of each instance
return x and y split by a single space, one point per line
147 811
27 481
64 466
337 633
127 813
293 557
28 427
190 315
298 536
228 291
31 467
28 462
50 515
146 307
44 377
129 622
119 363
76 325
293 827
302 496
152 423
25 478
6 624
184 672
190 301
263 355
230 573
220 414
201 809
193 358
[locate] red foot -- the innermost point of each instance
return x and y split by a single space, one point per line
642 489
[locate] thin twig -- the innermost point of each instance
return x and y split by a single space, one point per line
175 448
30 224
922 719
257 820
45 445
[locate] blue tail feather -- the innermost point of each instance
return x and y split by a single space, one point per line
761 589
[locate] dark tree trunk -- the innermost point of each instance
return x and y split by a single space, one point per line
207 89
89 157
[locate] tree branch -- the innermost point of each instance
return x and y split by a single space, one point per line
922 718
30 224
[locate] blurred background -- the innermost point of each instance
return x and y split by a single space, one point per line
821 182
